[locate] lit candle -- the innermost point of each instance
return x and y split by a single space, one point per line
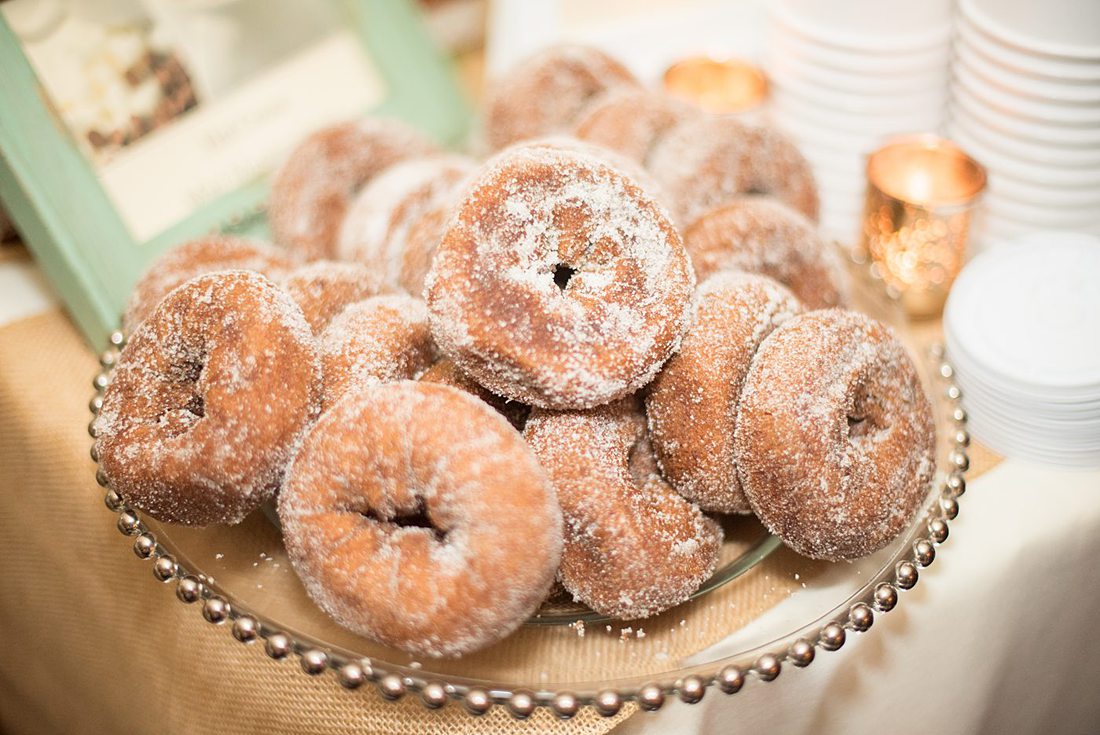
921 191
721 86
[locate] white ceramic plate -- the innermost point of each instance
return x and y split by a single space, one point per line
795 68
1023 62
1071 141
1068 29
1025 85
887 26
1002 145
1010 104
872 63
934 96
1031 309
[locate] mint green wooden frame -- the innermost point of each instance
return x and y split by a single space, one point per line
65 217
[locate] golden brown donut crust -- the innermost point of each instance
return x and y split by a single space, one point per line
377 228
311 192
544 94
324 288
417 516
445 372
762 235
692 404
209 400
633 546
559 282
835 439
631 121
377 340
704 162
194 258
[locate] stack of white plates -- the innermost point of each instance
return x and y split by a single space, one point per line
1022 326
846 75
1025 102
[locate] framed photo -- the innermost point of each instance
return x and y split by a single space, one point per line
130 125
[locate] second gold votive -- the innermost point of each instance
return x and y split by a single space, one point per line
921 192
721 86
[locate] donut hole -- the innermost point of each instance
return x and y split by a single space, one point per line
562 275
416 517
865 417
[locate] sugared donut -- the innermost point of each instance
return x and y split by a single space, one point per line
377 340
421 242
835 439
692 403
194 258
324 288
417 516
631 120
706 161
559 282
311 192
544 94
633 546
376 229
445 372
209 400
761 235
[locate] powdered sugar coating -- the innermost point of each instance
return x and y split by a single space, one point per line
311 192
377 340
633 170
194 258
487 536
324 288
631 121
544 93
633 547
762 235
692 403
502 310
835 438
706 161
209 400
445 372
376 229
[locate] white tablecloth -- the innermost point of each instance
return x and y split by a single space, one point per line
996 638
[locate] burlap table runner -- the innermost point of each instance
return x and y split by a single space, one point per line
93 644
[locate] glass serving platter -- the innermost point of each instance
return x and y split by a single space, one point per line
764 608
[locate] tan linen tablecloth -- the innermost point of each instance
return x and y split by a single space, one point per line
91 643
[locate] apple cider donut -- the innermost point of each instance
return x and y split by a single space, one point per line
209 400
705 161
762 235
377 340
631 120
692 404
445 372
545 93
559 282
835 439
312 190
633 546
377 226
324 288
415 515
194 258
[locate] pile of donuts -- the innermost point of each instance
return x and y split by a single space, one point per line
466 382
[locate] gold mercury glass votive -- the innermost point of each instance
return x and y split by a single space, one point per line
721 86
921 192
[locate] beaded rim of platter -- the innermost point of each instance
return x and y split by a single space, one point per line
881 594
